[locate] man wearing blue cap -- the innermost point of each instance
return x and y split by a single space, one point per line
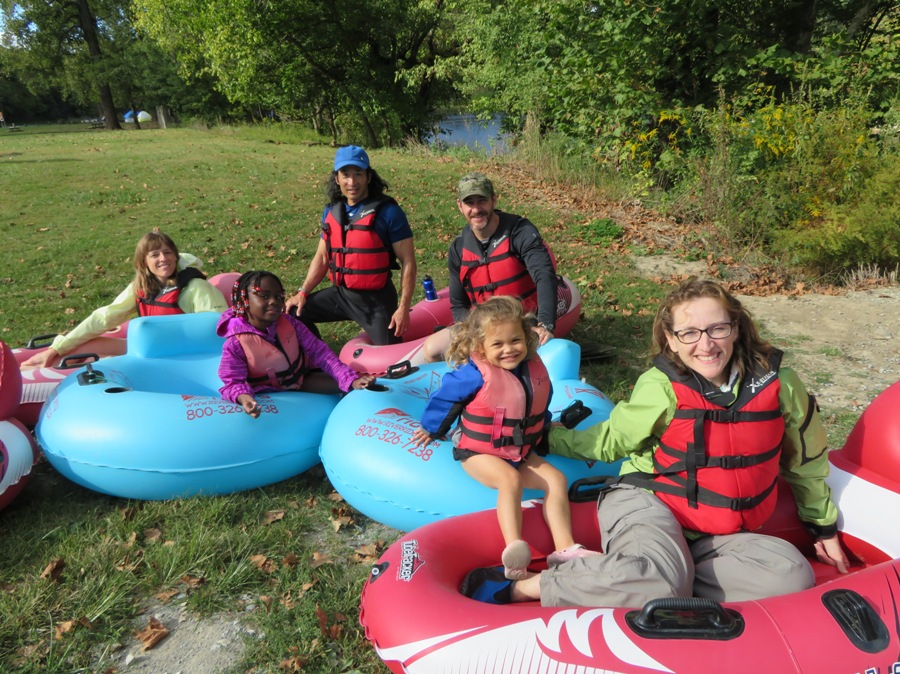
364 235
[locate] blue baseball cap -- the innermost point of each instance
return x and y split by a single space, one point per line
350 155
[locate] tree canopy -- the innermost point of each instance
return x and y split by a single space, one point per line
609 68
605 72
374 66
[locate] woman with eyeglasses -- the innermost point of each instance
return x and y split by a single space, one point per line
707 433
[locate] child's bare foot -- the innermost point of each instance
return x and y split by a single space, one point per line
516 557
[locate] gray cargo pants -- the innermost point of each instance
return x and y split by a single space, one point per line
647 556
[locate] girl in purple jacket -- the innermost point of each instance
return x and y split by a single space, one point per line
268 350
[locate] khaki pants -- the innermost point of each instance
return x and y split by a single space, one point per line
647 557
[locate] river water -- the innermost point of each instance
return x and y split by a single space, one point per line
467 130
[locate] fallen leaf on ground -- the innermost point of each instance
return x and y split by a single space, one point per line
166 595
152 634
271 516
341 517
63 628
295 663
263 563
131 561
320 558
53 570
367 554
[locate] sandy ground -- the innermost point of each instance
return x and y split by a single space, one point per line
846 348
212 645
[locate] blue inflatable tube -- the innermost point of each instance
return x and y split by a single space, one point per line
370 459
151 424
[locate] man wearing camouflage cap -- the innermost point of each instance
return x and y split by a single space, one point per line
496 254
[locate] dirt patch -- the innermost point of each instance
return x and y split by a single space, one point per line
846 348
214 644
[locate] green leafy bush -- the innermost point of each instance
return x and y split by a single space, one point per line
866 231
787 179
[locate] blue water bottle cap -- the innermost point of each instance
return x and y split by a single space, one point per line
428 286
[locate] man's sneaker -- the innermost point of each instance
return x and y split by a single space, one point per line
488 585
516 557
573 551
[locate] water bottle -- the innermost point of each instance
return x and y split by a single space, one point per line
430 293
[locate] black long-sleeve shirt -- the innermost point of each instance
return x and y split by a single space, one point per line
526 244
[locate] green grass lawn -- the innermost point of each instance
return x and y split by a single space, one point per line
73 206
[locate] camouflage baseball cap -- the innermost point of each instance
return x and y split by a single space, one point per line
472 184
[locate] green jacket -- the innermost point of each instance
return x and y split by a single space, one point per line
634 428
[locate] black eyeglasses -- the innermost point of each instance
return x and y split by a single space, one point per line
692 335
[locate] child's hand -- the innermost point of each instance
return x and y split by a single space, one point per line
421 437
362 381
248 402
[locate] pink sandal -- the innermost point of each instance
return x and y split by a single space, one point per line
572 552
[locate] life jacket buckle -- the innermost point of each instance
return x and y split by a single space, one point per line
733 462
744 503
722 416
518 435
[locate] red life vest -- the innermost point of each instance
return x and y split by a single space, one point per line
281 364
498 271
358 258
166 304
506 417
716 467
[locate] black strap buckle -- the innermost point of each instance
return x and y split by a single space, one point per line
732 462
574 414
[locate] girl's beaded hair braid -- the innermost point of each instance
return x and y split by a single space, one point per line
240 291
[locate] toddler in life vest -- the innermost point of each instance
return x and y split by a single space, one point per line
268 350
500 391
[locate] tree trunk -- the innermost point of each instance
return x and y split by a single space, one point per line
89 26
134 117
334 129
371 136
798 25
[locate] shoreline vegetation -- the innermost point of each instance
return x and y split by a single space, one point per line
78 568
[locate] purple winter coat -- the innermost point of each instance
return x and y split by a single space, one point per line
233 370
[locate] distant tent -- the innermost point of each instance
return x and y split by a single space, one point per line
142 116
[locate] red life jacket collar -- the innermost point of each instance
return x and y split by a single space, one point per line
166 303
